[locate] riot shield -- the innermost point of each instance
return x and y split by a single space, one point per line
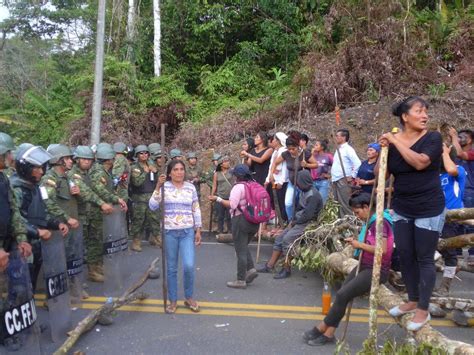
115 252
19 332
74 244
57 292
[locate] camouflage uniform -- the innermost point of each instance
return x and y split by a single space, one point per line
60 203
194 175
121 172
142 185
102 184
87 201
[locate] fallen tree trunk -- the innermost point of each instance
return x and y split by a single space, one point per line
461 241
463 304
459 214
340 263
88 323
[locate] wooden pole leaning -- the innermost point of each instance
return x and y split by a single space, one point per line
162 209
373 299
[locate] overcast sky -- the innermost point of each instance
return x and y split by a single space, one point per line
3 13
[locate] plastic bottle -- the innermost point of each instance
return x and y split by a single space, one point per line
326 299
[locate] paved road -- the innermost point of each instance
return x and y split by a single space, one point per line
266 318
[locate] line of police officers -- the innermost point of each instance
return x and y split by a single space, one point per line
45 211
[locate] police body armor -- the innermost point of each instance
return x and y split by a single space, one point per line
5 213
19 331
115 258
57 291
74 244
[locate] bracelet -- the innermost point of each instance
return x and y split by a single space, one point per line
219 199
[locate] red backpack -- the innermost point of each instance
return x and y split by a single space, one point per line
258 208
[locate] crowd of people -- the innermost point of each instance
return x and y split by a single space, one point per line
60 189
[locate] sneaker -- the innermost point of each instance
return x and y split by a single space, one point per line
283 274
321 340
265 269
237 284
311 334
251 275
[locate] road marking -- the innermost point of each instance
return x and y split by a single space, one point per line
246 310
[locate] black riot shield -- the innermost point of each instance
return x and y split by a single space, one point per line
57 291
115 252
74 244
19 331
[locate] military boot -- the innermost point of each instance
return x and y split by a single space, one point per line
136 244
94 274
443 288
155 241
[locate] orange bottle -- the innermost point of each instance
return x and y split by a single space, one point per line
326 299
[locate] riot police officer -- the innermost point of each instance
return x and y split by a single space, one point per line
30 163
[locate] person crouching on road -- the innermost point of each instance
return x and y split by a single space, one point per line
356 285
242 230
182 230
310 204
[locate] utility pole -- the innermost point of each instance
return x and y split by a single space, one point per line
99 73
157 37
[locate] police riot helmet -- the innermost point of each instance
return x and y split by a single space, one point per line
28 157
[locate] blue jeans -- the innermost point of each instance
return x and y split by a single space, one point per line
323 187
290 190
180 241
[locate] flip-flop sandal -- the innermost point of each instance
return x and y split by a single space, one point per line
171 309
193 307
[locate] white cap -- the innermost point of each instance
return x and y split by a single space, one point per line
282 138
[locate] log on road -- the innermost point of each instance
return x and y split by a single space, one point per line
461 241
460 214
88 323
340 263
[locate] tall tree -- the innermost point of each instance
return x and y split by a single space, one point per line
131 28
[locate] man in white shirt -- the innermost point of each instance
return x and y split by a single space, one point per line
343 174
280 178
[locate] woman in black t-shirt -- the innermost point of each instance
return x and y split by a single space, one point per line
258 159
418 203
296 159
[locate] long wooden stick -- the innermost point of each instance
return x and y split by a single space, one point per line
258 242
162 209
373 300
300 108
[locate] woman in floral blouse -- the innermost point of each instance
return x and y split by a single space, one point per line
182 230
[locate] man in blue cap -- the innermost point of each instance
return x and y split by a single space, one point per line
365 175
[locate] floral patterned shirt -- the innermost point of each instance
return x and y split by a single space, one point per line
181 206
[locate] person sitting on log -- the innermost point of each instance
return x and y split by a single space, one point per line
357 283
309 206
453 181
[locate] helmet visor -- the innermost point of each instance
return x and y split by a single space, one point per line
36 156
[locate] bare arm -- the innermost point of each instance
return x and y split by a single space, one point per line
449 165
267 155
419 161
214 184
455 140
